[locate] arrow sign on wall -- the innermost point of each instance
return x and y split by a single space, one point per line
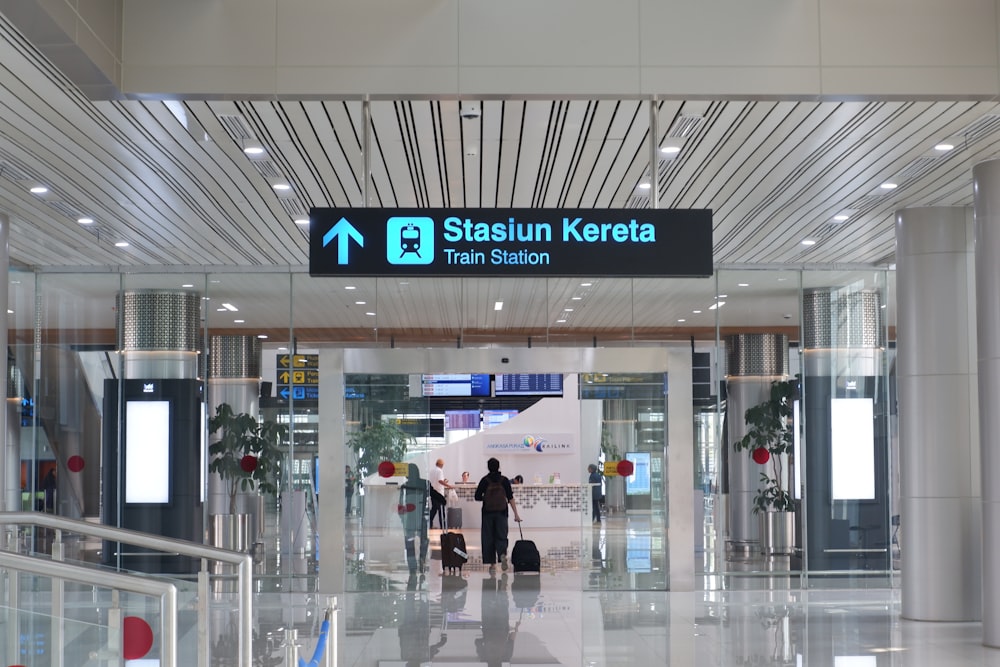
343 231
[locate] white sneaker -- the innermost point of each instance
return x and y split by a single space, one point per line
503 562
493 569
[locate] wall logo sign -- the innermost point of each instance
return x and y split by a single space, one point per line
510 242
525 443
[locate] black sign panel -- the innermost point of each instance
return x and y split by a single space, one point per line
510 242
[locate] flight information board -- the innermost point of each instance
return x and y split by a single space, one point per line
529 384
455 384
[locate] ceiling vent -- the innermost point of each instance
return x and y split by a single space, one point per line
988 124
685 126
12 172
237 127
267 168
293 207
917 168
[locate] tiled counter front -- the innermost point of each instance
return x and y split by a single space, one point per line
540 505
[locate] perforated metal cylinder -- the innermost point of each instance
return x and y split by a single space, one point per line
754 360
159 333
15 381
231 356
833 318
756 354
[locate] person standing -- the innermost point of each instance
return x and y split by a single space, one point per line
350 483
439 489
495 492
412 503
595 492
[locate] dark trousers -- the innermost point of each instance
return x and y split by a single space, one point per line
437 508
595 509
494 535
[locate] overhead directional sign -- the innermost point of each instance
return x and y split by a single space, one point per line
510 242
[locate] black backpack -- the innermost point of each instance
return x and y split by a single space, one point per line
495 496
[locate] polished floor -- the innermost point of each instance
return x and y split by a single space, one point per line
744 613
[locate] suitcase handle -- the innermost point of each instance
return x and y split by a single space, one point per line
519 529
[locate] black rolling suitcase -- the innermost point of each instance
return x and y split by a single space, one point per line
453 517
453 552
524 555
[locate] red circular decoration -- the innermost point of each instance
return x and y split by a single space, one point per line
137 638
248 463
386 469
625 468
761 455
75 463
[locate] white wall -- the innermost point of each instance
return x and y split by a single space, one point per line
829 48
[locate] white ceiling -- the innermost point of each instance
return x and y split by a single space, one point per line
172 180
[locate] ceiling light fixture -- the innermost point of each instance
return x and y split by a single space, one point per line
85 221
187 285
238 321
360 303
743 284
121 244
262 336
350 287
576 298
644 186
560 321
39 190
841 217
498 305
568 310
253 148
682 320
696 312
229 306
670 150
888 186
301 220
944 147
808 242
280 184
717 305
586 284
370 314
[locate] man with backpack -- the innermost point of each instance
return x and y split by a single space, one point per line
495 492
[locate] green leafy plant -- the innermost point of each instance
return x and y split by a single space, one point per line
769 437
377 442
246 455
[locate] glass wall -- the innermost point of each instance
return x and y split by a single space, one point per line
839 325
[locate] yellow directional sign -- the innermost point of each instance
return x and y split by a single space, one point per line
402 469
298 361
611 468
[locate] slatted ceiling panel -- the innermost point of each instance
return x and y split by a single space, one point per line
339 158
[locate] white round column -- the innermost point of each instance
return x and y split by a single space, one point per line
986 194
936 383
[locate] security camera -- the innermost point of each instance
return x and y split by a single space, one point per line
470 112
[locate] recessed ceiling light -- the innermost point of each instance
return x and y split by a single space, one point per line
670 150
85 221
238 321
841 217
220 310
568 310
187 285
360 303
262 336
121 244
944 147
282 349
405 282
301 221
280 184
696 312
498 305
644 186
586 284
721 296
716 305
576 298
370 314
229 306
253 148
39 190
560 321
743 284
350 287
888 186
808 242
682 320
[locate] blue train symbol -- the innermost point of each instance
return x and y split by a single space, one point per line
409 240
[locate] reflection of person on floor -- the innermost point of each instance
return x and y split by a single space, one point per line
412 502
415 648
496 646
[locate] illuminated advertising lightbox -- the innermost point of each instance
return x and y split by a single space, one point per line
147 452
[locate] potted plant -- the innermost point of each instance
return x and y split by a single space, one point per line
377 442
769 441
247 457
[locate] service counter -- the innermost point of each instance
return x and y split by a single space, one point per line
540 505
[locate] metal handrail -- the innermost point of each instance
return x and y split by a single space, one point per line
113 580
243 562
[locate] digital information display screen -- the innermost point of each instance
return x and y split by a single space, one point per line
493 417
524 242
464 420
529 384
455 384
